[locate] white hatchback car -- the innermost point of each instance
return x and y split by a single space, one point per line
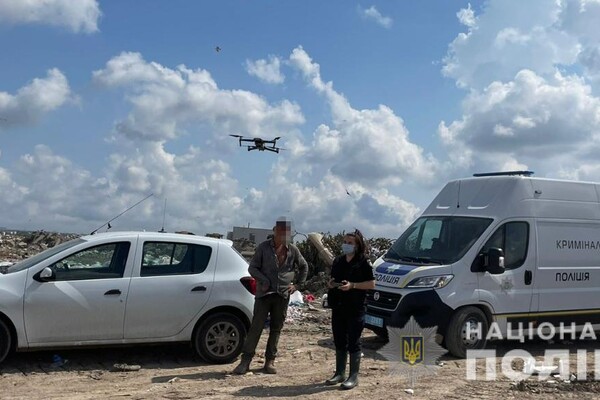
126 288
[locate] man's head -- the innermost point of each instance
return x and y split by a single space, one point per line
283 231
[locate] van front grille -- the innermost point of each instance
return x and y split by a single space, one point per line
385 300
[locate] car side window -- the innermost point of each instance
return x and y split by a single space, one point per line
513 239
164 258
99 262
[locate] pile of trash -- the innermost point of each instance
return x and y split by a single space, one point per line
317 285
305 309
16 246
245 247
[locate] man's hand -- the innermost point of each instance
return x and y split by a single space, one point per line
345 286
291 288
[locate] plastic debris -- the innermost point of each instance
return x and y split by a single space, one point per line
58 361
126 367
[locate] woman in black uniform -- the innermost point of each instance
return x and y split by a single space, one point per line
351 277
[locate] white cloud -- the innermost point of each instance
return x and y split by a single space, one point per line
466 16
51 192
76 15
373 14
268 71
164 100
532 72
507 37
32 101
366 153
527 116
370 146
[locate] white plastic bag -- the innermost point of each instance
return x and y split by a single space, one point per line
296 297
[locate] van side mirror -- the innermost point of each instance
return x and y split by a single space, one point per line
494 261
45 275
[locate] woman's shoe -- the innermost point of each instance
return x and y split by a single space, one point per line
352 380
340 368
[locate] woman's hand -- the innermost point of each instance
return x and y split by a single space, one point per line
345 286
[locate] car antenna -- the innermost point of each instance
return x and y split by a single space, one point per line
162 230
130 208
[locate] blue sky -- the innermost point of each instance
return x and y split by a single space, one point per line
452 76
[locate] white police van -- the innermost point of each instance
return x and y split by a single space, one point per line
502 248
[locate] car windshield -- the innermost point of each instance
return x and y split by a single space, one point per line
44 255
437 240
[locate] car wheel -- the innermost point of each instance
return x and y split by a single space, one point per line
219 338
459 338
5 341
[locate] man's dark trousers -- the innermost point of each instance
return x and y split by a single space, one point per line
276 306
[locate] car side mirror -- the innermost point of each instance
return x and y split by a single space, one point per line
45 275
494 261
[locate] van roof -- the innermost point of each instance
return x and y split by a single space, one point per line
507 196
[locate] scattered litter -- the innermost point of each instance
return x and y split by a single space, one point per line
530 368
309 298
96 375
409 391
173 380
58 361
126 367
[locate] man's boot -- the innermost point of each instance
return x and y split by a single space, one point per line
352 380
243 366
270 367
341 357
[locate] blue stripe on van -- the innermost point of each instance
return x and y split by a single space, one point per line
395 269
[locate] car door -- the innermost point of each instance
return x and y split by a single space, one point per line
171 284
510 293
84 300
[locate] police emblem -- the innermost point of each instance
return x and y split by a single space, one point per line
412 351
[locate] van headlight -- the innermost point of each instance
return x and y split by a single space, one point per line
435 282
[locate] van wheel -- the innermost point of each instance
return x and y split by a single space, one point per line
5 341
459 338
382 333
219 338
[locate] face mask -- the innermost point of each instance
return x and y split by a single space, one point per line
347 248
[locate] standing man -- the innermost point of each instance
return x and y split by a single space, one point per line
274 267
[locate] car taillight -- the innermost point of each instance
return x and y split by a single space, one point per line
249 283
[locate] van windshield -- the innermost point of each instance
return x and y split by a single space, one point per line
437 240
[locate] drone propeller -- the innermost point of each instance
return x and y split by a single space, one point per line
277 138
236 136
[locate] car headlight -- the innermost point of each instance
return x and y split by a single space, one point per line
435 282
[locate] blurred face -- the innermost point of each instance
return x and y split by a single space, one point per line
283 232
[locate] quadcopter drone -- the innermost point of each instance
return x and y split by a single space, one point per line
260 144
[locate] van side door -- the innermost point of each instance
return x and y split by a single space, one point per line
509 294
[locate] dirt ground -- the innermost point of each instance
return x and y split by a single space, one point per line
306 360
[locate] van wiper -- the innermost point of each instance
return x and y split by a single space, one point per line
422 260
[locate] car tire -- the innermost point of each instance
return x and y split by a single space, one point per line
219 338
456 339
5 341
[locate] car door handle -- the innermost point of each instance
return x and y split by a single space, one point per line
112 292
528 277
199 289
